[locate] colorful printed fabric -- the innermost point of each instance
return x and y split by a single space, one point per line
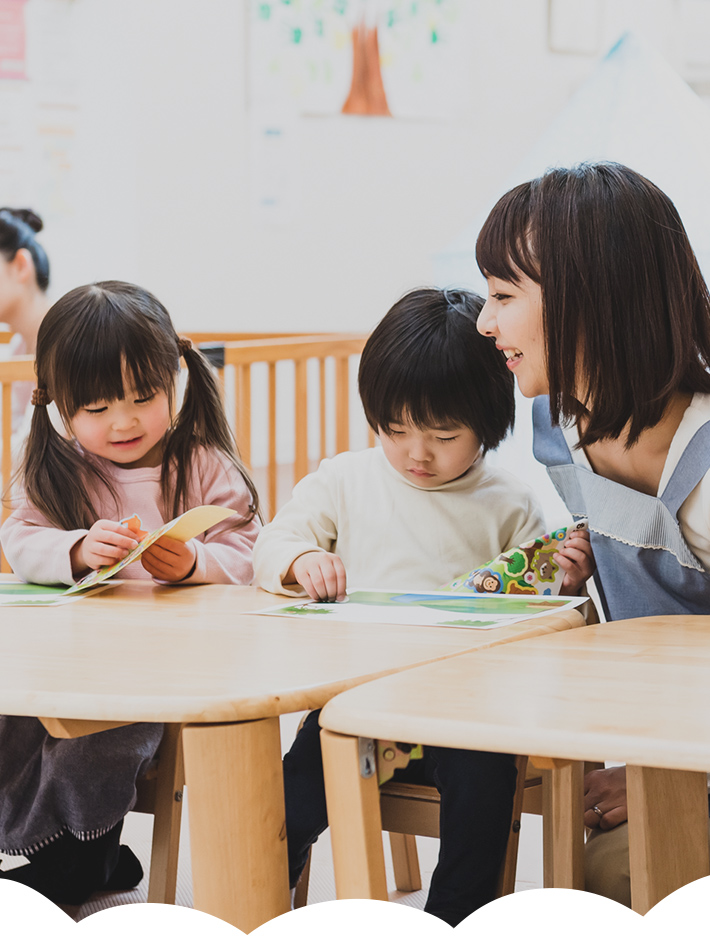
529 569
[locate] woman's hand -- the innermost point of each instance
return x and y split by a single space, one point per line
106 543
576 559
322 574
169 559
606 790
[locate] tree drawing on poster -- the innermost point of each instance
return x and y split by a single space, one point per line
367 57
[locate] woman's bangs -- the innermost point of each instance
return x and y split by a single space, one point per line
504 247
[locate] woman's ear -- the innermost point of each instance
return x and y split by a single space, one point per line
23 266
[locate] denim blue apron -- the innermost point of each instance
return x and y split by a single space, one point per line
644 565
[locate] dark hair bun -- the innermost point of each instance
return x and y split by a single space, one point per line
27 216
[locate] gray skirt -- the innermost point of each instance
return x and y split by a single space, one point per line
84 786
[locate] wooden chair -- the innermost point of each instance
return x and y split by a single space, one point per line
411 810
19 369
159 793
240 356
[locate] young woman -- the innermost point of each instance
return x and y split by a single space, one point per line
24 279
596 300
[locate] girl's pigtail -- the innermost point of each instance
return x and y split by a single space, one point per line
52 474
200 422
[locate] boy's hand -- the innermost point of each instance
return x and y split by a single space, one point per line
576 559
106 543
322 574
169 559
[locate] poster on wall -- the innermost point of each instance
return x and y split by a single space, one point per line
399 58
39 113
12 39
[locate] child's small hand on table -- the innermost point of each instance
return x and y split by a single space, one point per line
106 543
576 559
169 559
322 574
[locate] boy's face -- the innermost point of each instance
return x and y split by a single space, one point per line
430 457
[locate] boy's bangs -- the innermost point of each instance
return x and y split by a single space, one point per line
109 370
440 406
504 248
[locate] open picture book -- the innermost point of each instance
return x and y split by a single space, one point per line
183 527
519 584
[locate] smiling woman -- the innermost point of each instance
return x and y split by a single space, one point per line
513 315
599 304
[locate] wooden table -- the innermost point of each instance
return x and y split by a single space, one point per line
636 691
195 655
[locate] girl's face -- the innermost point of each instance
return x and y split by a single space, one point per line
430 457
129 432
513 316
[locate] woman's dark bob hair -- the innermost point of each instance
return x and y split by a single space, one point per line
427 363
626 312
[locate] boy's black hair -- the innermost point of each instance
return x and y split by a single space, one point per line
427 363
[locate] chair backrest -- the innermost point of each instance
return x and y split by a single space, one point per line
19 369
298 349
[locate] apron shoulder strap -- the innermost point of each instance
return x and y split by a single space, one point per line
549 445
693 465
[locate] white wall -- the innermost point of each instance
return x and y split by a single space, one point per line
163 163
162 170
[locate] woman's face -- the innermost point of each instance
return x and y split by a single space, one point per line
8 290
512 315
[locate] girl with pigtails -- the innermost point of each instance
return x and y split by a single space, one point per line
108 356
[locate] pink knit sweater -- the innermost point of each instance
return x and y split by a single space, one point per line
39 552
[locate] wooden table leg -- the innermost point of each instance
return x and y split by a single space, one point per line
76 728
237 821
563 824
668 836
355 820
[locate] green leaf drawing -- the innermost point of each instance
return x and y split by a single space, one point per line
516 563
298 609
467 623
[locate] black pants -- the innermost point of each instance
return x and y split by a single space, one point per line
476 789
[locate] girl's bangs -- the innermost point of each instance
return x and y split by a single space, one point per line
504 248
109 369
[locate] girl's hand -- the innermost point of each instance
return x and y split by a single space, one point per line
576 559
106 542
322 574
169 559
606 790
